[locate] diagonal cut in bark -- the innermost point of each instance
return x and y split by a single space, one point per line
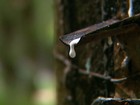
112 27
115 101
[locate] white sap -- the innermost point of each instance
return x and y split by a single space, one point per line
72 52
110 42
130 11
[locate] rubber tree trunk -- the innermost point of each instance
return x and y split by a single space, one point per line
74 87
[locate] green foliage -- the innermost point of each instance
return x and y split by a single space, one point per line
26 45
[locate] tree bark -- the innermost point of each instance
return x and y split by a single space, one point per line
75 87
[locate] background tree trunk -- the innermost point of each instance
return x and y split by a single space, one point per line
74 87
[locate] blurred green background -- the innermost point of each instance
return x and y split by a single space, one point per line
26 58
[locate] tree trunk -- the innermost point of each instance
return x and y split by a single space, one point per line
75 87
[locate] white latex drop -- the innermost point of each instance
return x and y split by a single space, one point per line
72 52
110 42
130 11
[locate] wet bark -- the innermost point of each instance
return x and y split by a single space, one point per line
80 79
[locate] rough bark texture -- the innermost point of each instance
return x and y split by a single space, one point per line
78 88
